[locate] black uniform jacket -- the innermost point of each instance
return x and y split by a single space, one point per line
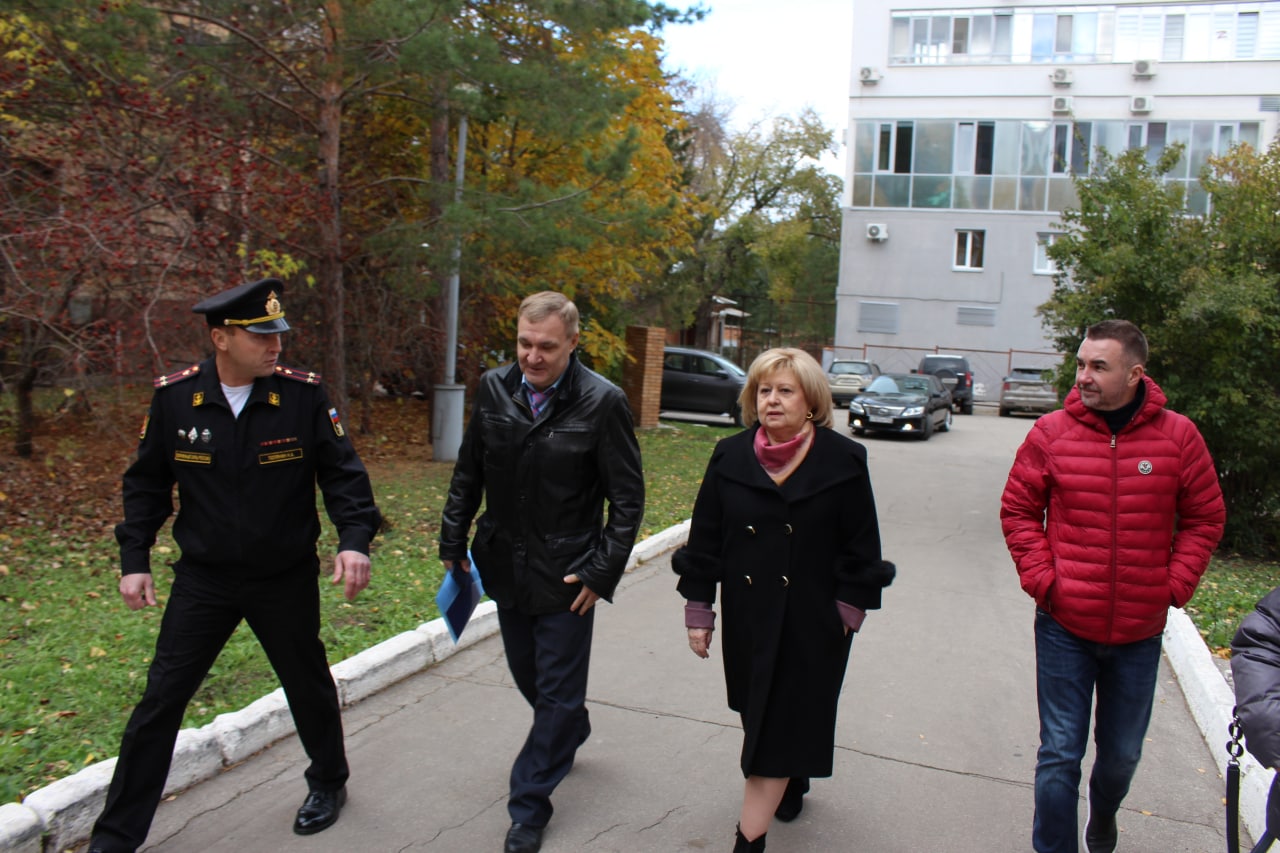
782 556
246 486
544 484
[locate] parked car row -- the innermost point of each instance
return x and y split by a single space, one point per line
919 403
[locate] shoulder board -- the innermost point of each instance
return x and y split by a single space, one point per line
297 375
164 381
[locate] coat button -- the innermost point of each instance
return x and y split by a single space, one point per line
785 581
788 529
748 577
751 530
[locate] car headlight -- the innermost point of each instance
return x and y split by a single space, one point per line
855 407
913 412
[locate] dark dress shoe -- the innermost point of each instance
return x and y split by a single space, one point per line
792 799
523 839
319 811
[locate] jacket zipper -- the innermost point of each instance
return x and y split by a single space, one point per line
1115 497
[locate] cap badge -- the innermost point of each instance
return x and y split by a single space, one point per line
273 303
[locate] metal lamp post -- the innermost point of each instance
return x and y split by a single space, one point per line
448 401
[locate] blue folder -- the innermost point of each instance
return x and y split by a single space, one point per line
459 594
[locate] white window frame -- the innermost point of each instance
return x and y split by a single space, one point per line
1042 264
970 250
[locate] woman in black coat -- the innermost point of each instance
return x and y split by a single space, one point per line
785 525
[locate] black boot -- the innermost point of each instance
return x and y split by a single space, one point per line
742 845
792 799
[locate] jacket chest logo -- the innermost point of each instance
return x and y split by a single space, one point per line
1145 466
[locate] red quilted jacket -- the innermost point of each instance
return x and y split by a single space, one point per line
1108 531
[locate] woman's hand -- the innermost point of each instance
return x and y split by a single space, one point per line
700 641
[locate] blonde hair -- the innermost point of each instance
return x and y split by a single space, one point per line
808 373
539 306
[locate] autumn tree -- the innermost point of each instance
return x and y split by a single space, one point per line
771 232
114 199
1205 290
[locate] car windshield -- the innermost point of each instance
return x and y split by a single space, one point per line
931 363
888 383
858 367
1027 374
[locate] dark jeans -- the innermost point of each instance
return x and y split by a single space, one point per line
1068 669
549 657
199 617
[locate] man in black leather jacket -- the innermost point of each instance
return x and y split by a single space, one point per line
549 441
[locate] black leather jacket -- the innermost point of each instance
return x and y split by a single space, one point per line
545 483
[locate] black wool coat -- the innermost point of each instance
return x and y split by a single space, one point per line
781 556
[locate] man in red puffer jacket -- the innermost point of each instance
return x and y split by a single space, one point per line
1111 512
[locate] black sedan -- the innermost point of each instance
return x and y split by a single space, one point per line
911 403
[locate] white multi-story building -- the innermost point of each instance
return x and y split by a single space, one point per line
966 122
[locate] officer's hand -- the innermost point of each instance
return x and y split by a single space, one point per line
586 598
354 567
138 590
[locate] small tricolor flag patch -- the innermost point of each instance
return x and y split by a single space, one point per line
337 424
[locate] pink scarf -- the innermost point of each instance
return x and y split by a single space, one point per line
776 458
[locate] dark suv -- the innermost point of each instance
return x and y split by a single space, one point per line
956 374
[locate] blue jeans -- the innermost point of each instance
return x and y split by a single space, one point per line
1068 669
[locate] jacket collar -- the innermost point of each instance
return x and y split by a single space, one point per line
1153 404
566 385
207 388
824 466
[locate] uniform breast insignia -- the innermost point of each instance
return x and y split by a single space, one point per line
197 399
170 379
273 398
307 376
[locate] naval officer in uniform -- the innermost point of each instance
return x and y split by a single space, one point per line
246 440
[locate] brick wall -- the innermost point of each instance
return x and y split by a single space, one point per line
642 373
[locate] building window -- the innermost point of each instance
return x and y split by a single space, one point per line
1043 264
975 145
894 148
969 249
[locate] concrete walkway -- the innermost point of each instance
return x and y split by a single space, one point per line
935 747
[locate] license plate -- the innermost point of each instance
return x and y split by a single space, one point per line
880 419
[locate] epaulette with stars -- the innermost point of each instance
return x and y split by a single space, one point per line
307 376
179 376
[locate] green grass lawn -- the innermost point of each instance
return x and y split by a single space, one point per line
74 659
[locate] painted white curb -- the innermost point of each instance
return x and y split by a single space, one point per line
1211 699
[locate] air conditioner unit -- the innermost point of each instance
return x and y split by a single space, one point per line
1143 68
1062 77
877 231
1060 103
1141 103
869 75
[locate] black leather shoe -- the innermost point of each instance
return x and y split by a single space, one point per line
792 799
319 811
1101 834
523 839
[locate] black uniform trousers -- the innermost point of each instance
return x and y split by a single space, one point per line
549 656
202 612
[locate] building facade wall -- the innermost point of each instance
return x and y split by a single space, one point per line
952 128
